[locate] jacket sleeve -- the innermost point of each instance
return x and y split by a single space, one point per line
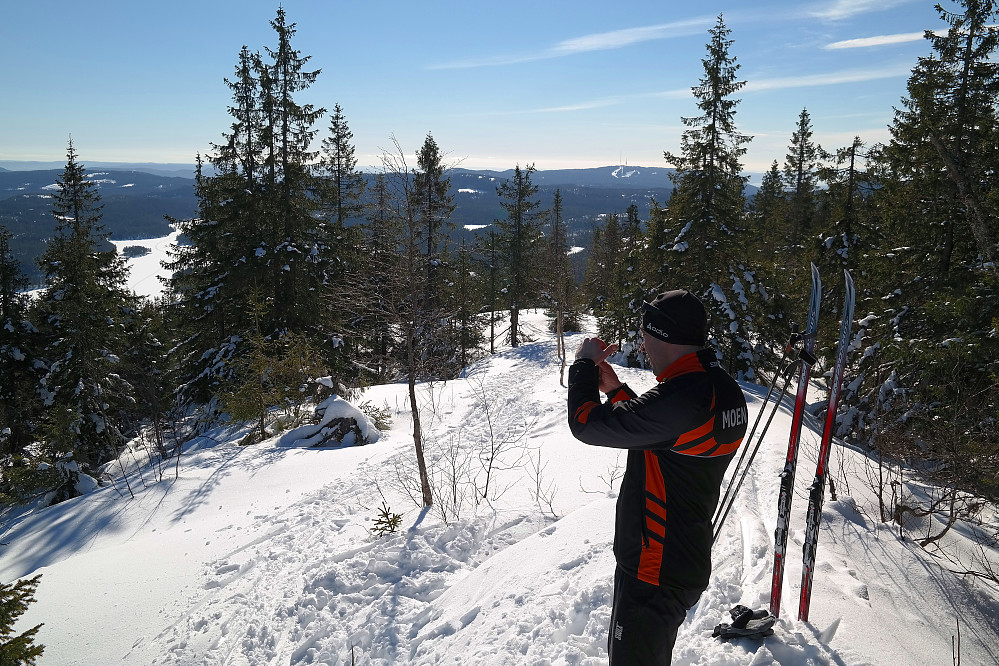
650 421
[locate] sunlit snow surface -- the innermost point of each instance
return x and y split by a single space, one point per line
262 554
144 272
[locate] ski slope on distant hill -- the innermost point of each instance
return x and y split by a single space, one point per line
262 554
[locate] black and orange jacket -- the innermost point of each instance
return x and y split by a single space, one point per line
681 436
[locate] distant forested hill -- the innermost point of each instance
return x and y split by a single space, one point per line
135 204
137 201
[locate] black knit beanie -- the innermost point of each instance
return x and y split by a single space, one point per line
677 317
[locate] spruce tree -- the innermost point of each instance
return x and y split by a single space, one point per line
800 174
301 261
263 228
559 284
616 274
660 237
845 220
81 313
708 206
778 271
434 205
20 649
346 183
382 243
519 238
634 283
603 278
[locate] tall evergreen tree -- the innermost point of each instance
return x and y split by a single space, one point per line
435 205
778 271
602 277
708 205
520 232
81 313
559 285
262 229
800 173
383 244
660 238
968 87
708 177
634 282
616 274
844 211
340 165
301 262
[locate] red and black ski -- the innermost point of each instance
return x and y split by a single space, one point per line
807 359
817 489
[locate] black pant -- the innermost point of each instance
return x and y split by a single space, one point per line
644 621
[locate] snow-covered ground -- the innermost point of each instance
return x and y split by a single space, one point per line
145 271
263 554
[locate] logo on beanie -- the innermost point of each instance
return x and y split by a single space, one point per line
656 330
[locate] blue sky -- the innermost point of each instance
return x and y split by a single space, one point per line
560 84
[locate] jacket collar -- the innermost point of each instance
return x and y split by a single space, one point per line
687 363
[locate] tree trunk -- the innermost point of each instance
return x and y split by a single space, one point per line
421 462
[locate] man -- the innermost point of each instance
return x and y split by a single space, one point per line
681 436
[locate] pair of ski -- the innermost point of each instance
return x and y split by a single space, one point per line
817 489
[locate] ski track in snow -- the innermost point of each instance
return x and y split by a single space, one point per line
312 588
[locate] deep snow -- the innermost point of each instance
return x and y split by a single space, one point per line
262 554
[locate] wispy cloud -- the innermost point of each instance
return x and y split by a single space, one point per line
843 9
827 78
757 85
681 93
601 41
582 106
616 39
878 40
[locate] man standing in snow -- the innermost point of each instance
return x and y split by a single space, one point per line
681 435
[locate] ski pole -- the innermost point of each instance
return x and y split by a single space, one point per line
788 371
787 349
791 341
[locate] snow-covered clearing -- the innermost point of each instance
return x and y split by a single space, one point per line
262 554
145 271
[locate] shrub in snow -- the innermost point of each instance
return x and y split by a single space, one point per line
338 422
386 522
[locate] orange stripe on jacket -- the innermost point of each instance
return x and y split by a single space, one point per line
703 447
583 412
727 448
696 433
620 396
651 561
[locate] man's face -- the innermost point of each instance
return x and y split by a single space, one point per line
654 351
